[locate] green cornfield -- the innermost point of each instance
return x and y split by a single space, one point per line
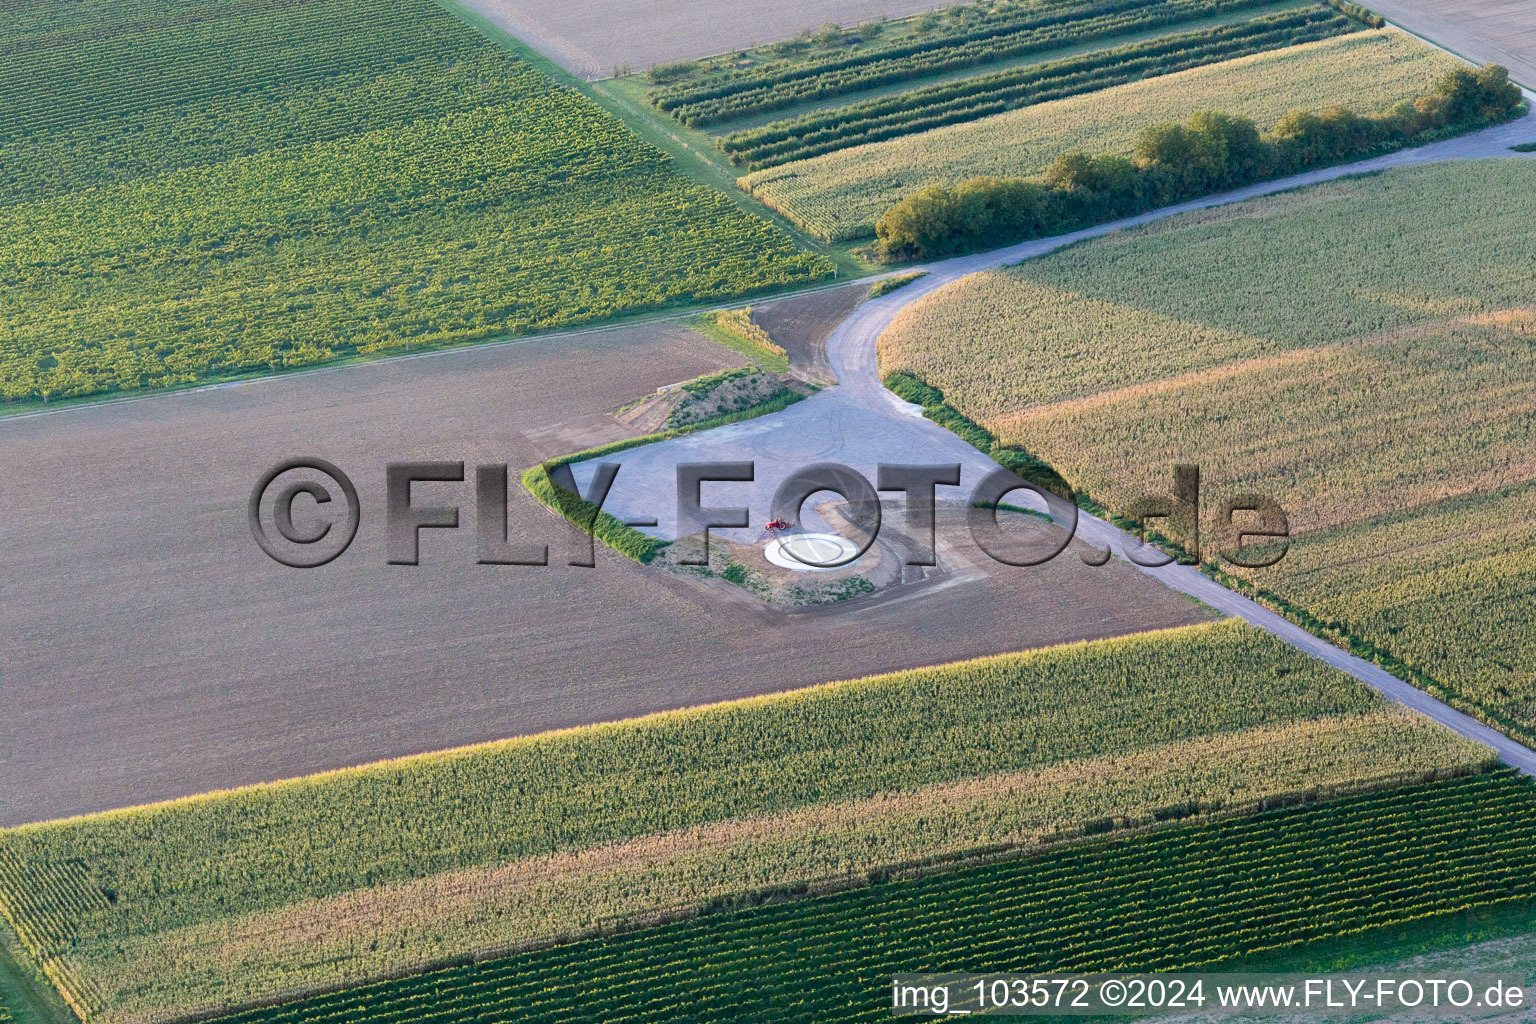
1377 382
193 189
839 196
147 913
1177 897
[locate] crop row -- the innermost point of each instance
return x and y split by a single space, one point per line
968 99
515 842
1410 501
1177 897
232 52
760 91
840 195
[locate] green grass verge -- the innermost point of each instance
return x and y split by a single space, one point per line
26 997
726 327
886 285
1036 471
1183 896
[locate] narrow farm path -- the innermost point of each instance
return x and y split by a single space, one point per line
860 424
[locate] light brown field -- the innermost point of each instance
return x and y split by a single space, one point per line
1501 31
152 650
593 37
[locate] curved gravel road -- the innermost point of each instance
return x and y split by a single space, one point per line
860 424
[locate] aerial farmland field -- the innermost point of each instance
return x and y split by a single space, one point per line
516 511
1291 399
842 194
367 202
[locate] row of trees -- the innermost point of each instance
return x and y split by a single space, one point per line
1173 162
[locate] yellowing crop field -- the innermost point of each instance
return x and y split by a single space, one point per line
1377 380
840 195
157 912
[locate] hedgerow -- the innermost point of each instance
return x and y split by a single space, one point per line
1172 162
971 98
1179 897
1027 29
840 195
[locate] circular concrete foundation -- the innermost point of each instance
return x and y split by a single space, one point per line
811 552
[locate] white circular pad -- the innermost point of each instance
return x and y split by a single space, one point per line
811 552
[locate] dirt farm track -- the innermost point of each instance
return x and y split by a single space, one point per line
152 650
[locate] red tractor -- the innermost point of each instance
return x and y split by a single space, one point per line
778 526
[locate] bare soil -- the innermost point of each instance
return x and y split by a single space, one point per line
1482 31
800 324
151 650
593 37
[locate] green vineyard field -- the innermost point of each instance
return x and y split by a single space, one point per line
353 177
1176 897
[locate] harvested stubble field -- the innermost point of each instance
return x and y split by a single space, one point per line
228 898
190 190
1183 896
1377 381
840 195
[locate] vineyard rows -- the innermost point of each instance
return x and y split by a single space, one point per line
1036 30
587 787
971 98
1177 897
62 158
287 181
838 196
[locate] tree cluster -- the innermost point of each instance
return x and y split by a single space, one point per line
1211 152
